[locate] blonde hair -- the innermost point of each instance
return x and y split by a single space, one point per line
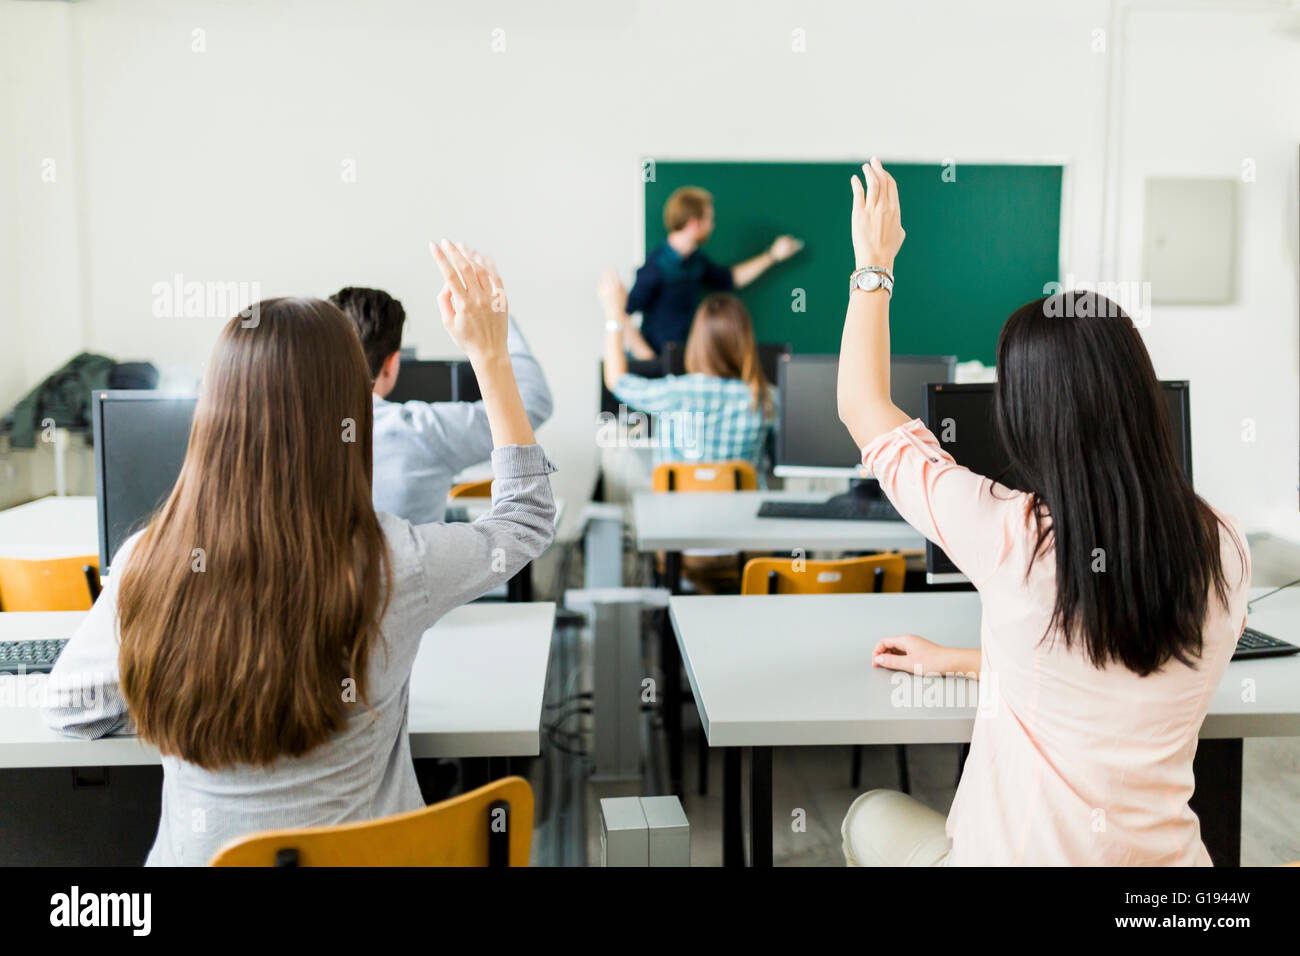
686 203
722 344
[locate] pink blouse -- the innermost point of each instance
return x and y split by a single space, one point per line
1069 764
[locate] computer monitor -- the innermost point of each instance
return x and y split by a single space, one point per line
769 358
648 368
811 441
961 417
140 442
466 384
425 380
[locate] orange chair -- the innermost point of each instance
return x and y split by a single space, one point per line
704 476
472 489
491 826
54 584
873 574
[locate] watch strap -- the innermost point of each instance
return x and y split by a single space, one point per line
886 278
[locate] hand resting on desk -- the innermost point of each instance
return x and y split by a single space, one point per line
916 655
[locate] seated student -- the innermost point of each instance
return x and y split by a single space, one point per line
420 447
676 273
1112 595
260 631
722 408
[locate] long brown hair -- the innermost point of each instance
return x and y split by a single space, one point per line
256 591
722 344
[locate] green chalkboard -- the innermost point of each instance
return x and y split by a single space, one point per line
977 246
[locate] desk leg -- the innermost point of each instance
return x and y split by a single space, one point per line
760 807
673 571
519 589
670 660
1217 798
733 826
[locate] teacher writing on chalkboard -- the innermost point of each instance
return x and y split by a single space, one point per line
676 274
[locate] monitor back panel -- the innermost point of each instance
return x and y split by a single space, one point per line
425 380
140 443
962 418
810 433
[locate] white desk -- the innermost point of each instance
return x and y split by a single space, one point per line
58 527
476 691
795 670
50 528
729 520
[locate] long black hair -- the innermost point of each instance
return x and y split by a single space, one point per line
1083 420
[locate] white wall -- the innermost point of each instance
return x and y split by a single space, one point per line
225 165
1218 94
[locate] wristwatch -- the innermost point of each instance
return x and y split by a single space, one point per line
871 278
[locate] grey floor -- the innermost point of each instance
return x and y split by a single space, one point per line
815 780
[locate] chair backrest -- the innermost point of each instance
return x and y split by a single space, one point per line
52 584
472 489
704 476
873 574
490 826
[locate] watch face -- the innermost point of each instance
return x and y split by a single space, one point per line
869 281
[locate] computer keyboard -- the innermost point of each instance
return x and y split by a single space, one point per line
834 509
1254 643
30 657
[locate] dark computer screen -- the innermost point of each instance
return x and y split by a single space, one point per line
649 368
140 442
467 389
769 358
961 417
810 433
425 380
674 359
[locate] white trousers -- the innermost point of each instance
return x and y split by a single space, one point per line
888 828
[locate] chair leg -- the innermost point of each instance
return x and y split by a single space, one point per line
904 778
702 742
855 780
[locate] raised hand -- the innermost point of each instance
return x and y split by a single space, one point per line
472 301
875 223
613 295
783 247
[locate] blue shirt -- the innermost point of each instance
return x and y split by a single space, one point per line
421 446
667 290
699 417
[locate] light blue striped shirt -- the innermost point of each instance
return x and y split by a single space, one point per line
698 417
